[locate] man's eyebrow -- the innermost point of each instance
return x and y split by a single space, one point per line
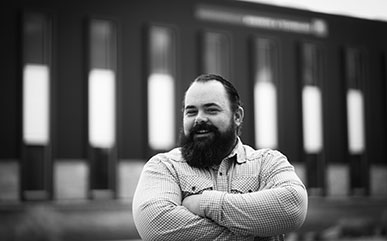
211 105
189 107
208 105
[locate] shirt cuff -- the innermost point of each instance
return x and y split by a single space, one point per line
211 204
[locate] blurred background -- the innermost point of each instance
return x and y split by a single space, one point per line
91 89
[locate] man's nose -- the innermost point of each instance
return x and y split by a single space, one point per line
201 118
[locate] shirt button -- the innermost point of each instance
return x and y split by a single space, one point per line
221 173
193 188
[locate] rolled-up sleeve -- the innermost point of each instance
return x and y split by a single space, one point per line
280 206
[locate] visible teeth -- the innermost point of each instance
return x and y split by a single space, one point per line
202 131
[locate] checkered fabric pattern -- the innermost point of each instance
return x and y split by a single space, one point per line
252 195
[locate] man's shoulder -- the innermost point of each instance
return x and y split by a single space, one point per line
173 155
173 161
260 154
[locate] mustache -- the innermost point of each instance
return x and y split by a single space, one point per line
203 126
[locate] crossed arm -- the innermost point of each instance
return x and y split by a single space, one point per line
263 213
160 213
192 203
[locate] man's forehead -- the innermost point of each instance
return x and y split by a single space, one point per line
205 93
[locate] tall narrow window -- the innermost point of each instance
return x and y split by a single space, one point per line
36 104
311 64
216 54
102 106
265 93
312 99
355 107
355 115
36 83
161 88
356 74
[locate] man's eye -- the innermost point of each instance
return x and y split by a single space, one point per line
212 111
190 112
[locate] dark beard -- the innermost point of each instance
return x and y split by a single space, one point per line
207 152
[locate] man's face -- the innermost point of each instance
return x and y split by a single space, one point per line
209 127
206 102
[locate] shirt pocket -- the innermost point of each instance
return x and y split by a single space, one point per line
245 184
191 185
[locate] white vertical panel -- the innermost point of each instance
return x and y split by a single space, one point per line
312 119
102 108
36 104
161 88
265 113
161 111
355 121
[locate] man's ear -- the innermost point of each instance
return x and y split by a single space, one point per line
238 116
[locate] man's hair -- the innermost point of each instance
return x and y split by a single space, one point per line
232 93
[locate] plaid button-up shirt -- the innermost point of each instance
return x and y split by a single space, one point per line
252 195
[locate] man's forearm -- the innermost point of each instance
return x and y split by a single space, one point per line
177 223
263 213
192 203
158 213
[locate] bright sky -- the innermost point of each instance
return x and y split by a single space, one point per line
368 9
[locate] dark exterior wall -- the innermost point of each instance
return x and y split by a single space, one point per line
132 18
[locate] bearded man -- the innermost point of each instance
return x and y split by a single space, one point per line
213 187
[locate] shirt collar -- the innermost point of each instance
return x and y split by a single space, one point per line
238 152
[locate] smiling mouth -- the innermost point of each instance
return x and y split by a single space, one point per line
202 133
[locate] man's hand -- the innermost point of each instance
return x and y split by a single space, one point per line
192 203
